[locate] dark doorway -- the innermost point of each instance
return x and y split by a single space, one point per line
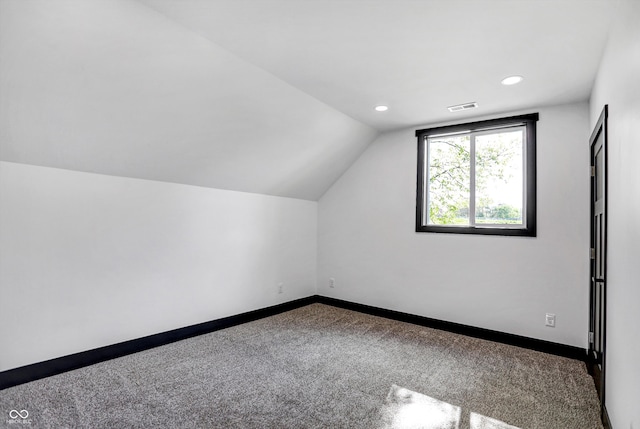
598 284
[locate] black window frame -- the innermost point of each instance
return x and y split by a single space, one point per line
530 228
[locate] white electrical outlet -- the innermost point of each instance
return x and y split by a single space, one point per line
280 287
550 320
332 282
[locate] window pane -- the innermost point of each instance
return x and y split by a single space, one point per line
448 180
499 178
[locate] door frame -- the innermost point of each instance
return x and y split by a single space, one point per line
597 359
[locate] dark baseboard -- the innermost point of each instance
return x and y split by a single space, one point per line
605 418
470 331
39 370
36 371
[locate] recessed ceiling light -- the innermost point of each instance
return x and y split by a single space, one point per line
382 108
511 80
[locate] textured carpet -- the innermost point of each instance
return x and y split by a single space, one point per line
314 367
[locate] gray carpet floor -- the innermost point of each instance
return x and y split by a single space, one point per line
317 367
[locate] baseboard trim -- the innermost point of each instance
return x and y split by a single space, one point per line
606 422
36 371
470 331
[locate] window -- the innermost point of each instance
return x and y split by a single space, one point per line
478 178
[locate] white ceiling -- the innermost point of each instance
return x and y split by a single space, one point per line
417 56
270 96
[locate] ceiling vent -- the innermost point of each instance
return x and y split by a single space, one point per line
465 106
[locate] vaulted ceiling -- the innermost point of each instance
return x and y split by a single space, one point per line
271 96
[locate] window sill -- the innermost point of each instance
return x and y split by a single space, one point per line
513 232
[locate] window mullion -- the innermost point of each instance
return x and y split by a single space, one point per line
472 180
425 181
525 153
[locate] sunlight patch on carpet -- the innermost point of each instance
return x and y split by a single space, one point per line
478 421
406 409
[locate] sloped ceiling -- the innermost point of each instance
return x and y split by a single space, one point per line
270 96
114 87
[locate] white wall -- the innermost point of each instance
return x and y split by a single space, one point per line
618 85
366 241
89 260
